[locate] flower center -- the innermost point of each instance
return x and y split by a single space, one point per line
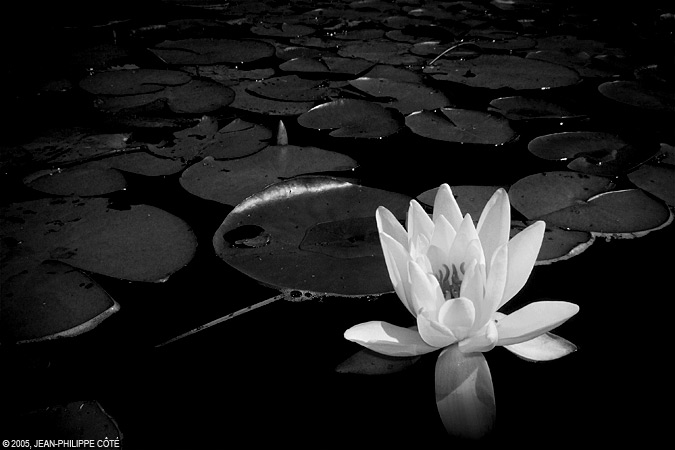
450 281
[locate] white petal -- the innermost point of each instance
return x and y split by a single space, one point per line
444 235
458 315
484 340
523 251
532 320
465 396
396 258
388 339
545 347
388 223
424 289
434 333
418 222
446 205
494 224
465 234
495 284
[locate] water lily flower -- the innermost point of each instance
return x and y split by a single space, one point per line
453 277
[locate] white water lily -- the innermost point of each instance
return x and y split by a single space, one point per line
453 277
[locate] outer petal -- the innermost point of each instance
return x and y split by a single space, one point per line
396 258
532 320
465 395
494 224
418 222
388 223
523 251
446 205
434 333
545 347
483 341
425 291
388 339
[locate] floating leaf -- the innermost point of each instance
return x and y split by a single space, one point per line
255 104
314 234
351 118
328 64
133 82
237 139
285 30
212 51
657 180
585 203
595 153
195 97
385 52
141 243
74 422
82 181
230 182
584 64
140 163
49 301
289 88
502 71
67 145
461 125
408 97
524 108
636 94
368 362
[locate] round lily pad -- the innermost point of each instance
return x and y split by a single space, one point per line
133 82
82 181
252 103
289 88
314 234
351 118
407 97
635 94
587 203
138 243
658 180
461 125
49 301
385 52
503 71
212 51
230 182
592 152
524 108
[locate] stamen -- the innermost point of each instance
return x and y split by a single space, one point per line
450 282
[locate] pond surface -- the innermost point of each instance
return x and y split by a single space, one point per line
133 134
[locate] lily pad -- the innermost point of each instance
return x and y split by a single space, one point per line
133 82
140 243
251 103
78 421
658 180
195 97
82 181
237 139
586 203
503 71
351 118
230 182
595 153
69 145
49 301
385 52
314 234
524 108
461 125
289 88
138 162
212 51
638 95
328 64
288 30
408 97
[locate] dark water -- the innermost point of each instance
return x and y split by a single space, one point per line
267 377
